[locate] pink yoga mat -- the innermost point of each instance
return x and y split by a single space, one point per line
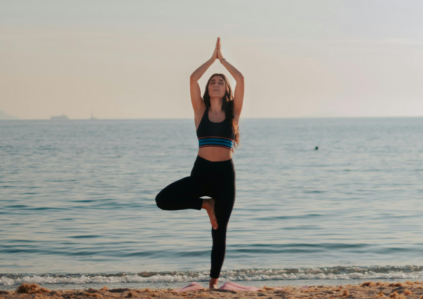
230 286
237 287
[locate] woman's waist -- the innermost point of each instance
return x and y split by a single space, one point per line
215 154
216 170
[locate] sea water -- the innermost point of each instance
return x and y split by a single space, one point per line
77 202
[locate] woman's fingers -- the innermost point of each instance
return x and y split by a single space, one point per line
217 47
219 53
215 55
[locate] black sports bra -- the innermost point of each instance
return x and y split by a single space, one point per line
215 134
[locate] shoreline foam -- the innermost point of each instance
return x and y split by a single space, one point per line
370 289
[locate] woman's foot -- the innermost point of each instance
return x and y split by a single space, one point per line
213 283
208 205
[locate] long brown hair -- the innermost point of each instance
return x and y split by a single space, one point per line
227 104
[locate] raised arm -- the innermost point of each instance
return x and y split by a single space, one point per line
196 100
239 78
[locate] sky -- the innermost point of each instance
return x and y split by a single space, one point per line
132 59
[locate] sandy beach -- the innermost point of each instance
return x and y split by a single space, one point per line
408 289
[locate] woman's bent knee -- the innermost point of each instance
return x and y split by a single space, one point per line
161 202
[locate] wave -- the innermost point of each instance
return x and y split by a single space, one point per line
322 273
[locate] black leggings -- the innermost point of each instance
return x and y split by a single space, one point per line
214 179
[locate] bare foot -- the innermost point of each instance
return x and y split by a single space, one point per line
213 283
208 205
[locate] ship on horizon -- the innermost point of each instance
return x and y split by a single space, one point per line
92 116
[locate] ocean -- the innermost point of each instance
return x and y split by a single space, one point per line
77 203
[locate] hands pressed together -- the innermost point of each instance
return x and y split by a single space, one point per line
217 54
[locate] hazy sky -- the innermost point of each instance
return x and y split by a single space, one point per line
133 59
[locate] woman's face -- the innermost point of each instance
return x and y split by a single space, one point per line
217 87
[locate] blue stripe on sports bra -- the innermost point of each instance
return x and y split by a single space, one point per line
215 141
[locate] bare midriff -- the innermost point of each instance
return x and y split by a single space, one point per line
215 154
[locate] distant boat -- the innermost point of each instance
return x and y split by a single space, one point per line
92 116
60 117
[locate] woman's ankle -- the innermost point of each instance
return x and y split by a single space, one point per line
207 202
213 283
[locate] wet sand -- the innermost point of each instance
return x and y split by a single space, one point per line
378 290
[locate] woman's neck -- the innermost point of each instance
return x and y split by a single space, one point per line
215 105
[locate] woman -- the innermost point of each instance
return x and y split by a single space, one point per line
216 120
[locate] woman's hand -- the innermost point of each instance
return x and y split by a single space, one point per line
214 56
219 52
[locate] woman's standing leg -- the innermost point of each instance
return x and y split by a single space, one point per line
224 202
